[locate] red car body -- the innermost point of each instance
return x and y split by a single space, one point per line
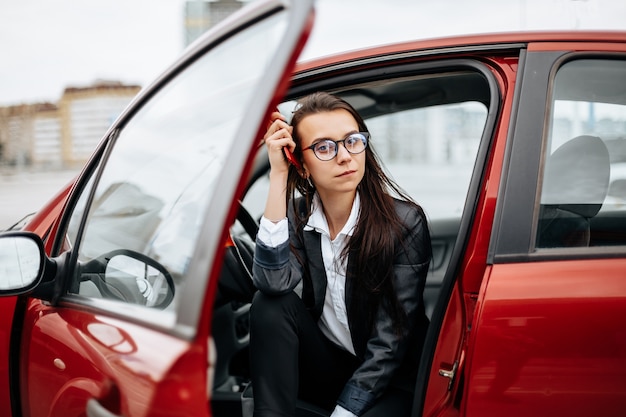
517 329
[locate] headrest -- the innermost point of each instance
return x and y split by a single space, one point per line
577 174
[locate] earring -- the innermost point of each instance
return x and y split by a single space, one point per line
305 175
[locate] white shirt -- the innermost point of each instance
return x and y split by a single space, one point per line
334 320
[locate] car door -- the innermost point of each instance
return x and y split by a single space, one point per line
123 328
549 337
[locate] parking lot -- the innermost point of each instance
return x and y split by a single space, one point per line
25 192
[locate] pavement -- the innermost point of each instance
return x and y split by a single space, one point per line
25 192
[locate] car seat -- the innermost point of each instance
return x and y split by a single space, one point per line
575 184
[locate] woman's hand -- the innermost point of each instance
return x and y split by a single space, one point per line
277 137
341 412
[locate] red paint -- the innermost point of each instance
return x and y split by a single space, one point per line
556 345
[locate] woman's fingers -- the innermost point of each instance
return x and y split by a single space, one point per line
277 137
277 116
276 126
275 144
273 118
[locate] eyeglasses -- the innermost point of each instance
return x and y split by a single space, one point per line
327 149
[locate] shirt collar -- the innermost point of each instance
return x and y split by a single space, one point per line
317 220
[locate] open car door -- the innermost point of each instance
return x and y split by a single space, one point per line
120 325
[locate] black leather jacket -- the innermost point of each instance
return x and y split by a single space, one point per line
387 357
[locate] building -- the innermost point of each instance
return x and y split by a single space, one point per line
61 135
18 125
45 148
64 134
201 15
85 115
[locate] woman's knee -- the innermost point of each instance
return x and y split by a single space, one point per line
273 309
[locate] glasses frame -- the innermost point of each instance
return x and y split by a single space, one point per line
365 140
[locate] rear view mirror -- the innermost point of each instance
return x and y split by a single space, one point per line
144 276
22 261
131 277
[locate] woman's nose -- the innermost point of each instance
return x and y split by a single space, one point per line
342 153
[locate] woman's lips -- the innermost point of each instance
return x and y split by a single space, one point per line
346 173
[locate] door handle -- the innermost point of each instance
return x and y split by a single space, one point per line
95 409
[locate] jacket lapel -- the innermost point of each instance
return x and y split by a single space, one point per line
313 248
357 319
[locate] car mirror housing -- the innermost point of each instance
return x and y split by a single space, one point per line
22 262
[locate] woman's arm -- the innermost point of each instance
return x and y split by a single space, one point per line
271 269
276 268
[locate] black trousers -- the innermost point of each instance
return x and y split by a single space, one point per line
290 358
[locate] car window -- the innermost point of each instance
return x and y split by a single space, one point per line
144 216
431 151
78 212
583 193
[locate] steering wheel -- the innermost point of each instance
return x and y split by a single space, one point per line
235 282
115 275
249 224
230 326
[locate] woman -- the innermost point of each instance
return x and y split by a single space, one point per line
339 316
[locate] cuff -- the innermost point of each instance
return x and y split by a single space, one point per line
355 399
271 258
273 234
342 412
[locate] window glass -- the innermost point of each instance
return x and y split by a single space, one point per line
77 214
431 152
148 206
583 193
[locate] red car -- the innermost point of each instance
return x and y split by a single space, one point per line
128 294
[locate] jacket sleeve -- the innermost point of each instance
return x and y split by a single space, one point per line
386 348
275 270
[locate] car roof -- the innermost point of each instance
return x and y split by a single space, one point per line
466 41
464 85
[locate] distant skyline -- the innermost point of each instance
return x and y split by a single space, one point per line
48 45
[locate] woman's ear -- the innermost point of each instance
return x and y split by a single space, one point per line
304 173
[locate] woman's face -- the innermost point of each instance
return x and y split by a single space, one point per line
345 171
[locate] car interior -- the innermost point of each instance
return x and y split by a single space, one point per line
583 198
570 184
379 102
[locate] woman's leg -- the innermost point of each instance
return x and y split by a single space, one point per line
289 355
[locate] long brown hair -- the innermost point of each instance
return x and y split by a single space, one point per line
373 244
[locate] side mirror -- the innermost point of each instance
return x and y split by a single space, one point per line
22 262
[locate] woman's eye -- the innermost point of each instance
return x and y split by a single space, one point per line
322 147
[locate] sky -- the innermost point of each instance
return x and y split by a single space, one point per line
48 45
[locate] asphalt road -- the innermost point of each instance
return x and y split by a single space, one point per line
23 192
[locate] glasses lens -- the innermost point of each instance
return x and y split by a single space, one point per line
325 150
356 143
